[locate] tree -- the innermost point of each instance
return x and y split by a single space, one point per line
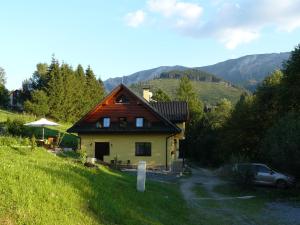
38 104
291 81
40 77
281 144
220 114
94 89
4 93
186 92
160 96
2 77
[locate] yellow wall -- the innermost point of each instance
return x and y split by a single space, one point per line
123 146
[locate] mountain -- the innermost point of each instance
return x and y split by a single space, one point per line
246 71
140 76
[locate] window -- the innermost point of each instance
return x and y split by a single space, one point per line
106 122
139 122
262 169
123 122
142 149
122 99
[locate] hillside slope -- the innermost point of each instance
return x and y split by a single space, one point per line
40 188
209 92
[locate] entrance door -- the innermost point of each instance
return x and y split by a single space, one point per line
101 149
182 146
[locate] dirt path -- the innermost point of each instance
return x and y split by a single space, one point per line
207 180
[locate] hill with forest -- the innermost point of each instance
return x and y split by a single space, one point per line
246 71
140 76
208 92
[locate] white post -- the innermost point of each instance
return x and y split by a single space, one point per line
43 134
141 176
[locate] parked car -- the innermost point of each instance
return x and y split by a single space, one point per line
264 175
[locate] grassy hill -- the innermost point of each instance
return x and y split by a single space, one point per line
209 92
37 187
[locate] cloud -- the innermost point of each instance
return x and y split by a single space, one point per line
135 19
183 13
232 23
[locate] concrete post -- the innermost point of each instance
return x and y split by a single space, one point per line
141 176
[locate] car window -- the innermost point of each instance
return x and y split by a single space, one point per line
262 169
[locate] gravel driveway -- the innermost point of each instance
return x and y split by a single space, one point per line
222 213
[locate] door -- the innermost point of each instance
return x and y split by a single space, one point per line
182 146
101 149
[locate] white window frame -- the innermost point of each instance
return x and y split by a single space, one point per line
106 122
139 122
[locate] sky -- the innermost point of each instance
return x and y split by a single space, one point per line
120 37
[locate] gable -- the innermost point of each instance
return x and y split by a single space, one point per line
123 103
130 109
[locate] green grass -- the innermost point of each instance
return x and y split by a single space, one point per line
209 92
37 187
69 140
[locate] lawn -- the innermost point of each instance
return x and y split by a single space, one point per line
37 187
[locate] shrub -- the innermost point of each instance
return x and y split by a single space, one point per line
82 155
33 143
15 127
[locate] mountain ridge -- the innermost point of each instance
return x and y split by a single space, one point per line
246 71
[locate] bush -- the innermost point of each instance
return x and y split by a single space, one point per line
16 127
82 155
33 143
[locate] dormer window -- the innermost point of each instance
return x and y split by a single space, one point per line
122 99
104 122
139 122
123 122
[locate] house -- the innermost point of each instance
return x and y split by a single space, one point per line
126 128
14 100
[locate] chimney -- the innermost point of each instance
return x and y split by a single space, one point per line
147 94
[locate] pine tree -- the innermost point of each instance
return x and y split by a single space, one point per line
4 93
160 96
94 89
186 92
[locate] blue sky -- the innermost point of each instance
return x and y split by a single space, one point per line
119 37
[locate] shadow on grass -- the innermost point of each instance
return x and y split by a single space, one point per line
112 197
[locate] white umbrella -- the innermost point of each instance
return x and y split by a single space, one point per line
41 123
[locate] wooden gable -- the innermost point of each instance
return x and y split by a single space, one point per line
123 103
111 107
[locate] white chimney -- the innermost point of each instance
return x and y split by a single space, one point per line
147 94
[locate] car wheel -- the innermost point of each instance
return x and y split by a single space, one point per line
281 184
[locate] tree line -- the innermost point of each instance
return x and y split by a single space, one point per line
60 92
